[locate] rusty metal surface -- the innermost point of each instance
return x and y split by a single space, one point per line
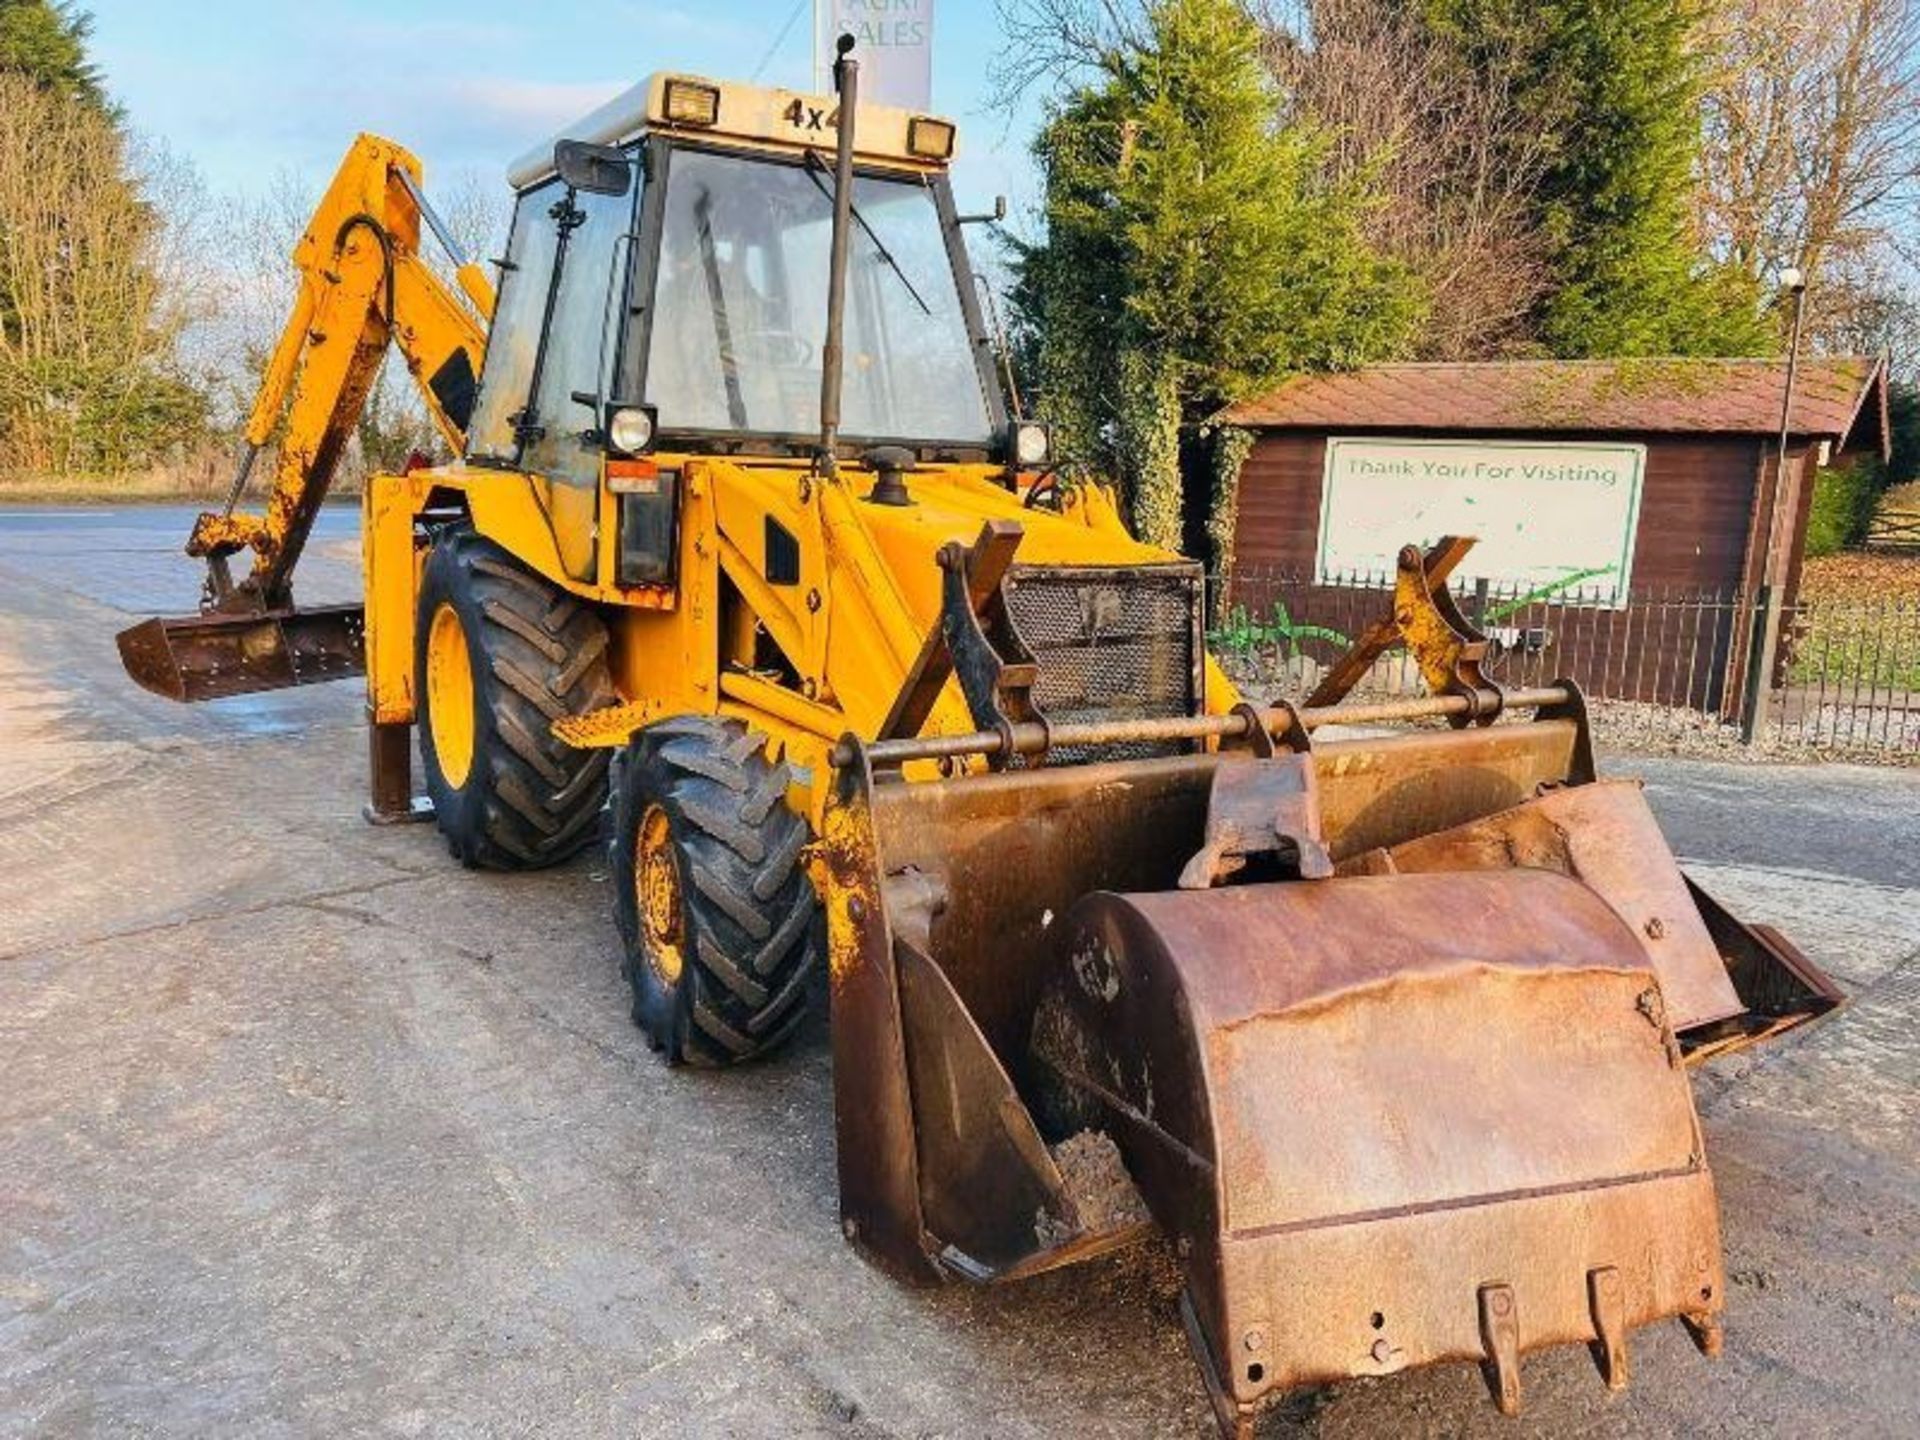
1389 1120
1780 989
872 1101
1262 812
988 1185
1342 1186
1382 792
941 1168
1604 836
213 655
1012 852
390 797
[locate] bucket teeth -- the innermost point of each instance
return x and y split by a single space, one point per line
1500 1334
1707 1332
1606 1300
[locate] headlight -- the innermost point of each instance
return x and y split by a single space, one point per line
630 430
1032 444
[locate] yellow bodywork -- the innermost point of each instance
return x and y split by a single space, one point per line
850 628
363 286
868 590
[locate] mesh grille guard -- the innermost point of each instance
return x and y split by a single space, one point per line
1112 643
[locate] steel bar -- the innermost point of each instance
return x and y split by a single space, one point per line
1032 739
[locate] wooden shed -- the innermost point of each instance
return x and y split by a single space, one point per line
1627 482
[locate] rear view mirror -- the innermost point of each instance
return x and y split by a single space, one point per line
595 169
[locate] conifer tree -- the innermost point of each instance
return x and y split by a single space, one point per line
1195 252
1613 89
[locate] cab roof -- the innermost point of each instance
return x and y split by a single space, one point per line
760 115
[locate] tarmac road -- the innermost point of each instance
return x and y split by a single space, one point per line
305 1130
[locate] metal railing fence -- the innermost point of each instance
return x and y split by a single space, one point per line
1669 667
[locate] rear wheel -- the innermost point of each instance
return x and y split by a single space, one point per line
502 654
715 909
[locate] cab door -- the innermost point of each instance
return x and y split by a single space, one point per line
555 341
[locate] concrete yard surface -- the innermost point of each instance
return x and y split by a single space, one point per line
306 1130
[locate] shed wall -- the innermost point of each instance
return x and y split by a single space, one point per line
1699 534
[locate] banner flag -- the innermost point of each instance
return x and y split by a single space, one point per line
893 41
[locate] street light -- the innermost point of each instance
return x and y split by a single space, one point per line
1793 280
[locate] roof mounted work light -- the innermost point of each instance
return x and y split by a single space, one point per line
929 139
688 102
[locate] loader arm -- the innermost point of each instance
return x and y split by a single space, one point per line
363 285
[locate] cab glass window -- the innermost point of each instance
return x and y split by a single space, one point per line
582 340
515 333
740 306
584 331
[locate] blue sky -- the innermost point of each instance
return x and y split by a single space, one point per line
246 90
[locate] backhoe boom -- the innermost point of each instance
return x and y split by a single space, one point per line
363 285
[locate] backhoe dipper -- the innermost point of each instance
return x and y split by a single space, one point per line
1387 1031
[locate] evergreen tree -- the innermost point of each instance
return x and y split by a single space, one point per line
47 42
1613 89
1194 254
90 376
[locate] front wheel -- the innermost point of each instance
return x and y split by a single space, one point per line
715 910
502 654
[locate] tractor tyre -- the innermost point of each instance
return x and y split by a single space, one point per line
501 653
716 913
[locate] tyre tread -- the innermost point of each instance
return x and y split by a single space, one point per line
750 905
548 654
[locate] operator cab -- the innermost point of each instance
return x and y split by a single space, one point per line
665 288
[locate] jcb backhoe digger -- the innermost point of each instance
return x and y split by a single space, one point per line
1387 1031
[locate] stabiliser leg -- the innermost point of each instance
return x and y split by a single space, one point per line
390 797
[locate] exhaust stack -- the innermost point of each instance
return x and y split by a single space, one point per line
846 80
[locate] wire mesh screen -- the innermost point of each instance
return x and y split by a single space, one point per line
1111 644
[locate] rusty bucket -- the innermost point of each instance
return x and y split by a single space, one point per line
1389 1035
216 654
1393 1120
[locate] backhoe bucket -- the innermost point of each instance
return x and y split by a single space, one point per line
214 655
1388 1035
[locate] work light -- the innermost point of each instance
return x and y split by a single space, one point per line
690 103
1032 444
929 139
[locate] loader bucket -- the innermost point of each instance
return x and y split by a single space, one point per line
214 655
1392 1105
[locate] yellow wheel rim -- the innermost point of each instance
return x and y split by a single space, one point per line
450 695
656 885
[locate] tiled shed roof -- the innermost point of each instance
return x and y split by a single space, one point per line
1839 398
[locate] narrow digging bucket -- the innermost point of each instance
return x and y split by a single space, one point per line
1442 1087
211 656
1391 1121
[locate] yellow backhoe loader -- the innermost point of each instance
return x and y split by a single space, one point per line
1386 1029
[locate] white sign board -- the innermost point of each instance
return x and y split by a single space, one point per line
893 41
1546 515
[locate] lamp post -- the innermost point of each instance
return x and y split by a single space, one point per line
1766 643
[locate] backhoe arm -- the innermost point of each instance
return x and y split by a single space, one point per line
363 285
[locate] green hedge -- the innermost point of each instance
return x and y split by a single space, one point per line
1843 501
